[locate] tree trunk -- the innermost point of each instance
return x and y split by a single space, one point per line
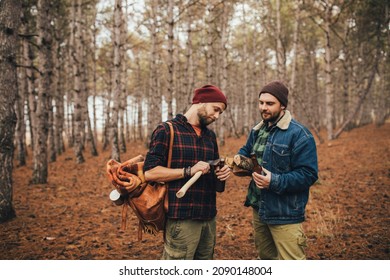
280 52
247 94
9 23
154 97
107 113
293 82
124 78
328 75
78 93
52 152
59 117
94 31
20 133
224 68
114 135
57 98
28 57
90 137
189 82
138 100
87 126
171 90
209 42
40 172
52 155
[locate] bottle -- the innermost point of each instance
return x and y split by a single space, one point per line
116 197
220 185
256 166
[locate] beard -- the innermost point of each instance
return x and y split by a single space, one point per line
270 118
204 120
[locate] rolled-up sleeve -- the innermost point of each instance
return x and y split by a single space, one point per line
158 149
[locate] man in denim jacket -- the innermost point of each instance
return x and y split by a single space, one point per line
287 151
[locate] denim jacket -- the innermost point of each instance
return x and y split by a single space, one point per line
291 156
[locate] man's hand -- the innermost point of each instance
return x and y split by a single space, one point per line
200 166
223 173
262 181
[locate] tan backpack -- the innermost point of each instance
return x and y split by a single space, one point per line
149 202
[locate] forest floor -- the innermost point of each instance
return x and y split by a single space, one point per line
71 217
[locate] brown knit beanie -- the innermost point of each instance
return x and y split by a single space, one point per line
277 89
208 94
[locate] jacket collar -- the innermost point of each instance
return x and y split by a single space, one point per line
282 124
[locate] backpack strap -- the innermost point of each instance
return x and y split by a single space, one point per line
170 144
172 135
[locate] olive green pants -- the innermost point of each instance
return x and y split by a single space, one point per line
279 242
189 240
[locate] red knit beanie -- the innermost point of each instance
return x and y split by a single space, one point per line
207 94
277 89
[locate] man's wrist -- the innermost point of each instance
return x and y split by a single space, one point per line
187 172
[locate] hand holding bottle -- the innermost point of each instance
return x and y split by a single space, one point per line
222 172
260 175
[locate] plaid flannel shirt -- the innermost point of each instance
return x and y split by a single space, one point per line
253 195
199 203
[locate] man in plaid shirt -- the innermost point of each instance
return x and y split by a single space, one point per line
191 225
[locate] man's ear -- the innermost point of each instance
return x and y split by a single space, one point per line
283 107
